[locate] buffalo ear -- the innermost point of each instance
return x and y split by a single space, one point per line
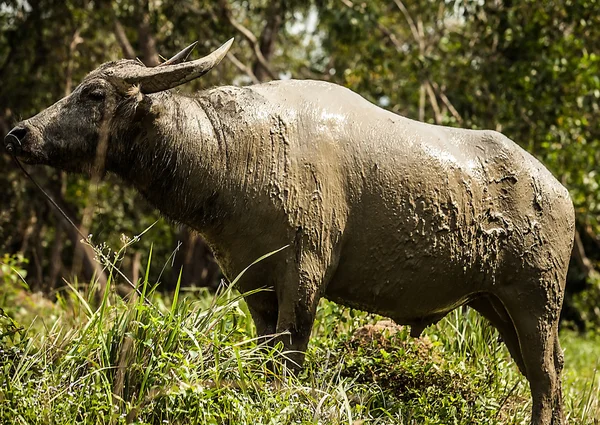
160 78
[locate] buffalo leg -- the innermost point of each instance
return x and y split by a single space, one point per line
264 311
537 328
492 309
298 297
559 361
296 317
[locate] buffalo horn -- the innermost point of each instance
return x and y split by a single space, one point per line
152 80
181 56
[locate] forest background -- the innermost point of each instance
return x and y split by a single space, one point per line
529 69
181 354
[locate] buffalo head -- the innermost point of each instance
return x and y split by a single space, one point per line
67 134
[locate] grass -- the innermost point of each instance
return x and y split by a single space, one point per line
193 359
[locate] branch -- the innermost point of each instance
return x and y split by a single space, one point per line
428 88
411 24
447 102
126 47
419 36
75 41
381 28
583 262
245 69
434 103
268 37
146 38
249 36
391 36
589 233
422 102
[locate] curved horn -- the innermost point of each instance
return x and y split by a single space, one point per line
181 56
152 80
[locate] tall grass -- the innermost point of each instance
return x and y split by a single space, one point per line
193 358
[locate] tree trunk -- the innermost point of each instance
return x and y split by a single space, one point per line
268 38
126 47
145 36
56 264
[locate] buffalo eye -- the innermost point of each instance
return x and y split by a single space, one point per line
97 95
94 93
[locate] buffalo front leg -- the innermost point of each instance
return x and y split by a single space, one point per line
298 297
294 324
263 308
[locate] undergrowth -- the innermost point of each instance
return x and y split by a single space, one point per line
193 358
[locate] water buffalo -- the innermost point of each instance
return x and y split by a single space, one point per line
380 212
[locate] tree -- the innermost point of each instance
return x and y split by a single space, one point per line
529 69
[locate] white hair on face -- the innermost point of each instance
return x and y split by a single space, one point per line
135 91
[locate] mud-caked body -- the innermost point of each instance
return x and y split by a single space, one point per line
378 212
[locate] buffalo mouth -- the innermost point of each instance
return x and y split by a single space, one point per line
28 158
29 153
25 152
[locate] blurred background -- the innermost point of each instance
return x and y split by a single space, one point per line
529 69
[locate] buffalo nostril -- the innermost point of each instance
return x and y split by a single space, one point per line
12 141
18 132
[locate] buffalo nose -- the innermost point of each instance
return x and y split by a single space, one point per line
12 141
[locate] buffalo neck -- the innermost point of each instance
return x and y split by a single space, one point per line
174 158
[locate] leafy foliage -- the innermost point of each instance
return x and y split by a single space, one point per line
529 69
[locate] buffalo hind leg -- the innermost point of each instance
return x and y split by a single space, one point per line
535 316
490 307
559 361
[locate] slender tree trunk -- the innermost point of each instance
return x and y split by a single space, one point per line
4 127
268 38
120 34
56 264
37 282
146 38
